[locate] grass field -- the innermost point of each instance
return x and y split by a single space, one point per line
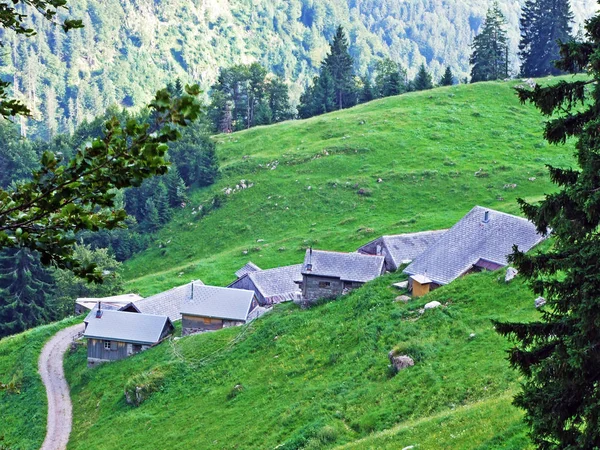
438 153
23 415
320 378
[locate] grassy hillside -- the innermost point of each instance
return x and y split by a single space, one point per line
437 153
319 378
23 423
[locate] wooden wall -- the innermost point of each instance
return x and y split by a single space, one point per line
195 324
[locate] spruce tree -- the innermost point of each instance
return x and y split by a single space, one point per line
544 23
447 78
490 48
390 78
340 66
25 290
366 93
559 353
423 80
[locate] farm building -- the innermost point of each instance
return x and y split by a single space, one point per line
114 335
129 307
248 268
481 240
401 249
329 274
212 308
168 303
271 285
84 305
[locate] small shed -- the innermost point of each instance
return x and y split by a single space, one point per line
212 308
401 249
419 284
115 335
328 274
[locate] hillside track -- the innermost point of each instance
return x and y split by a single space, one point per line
50 366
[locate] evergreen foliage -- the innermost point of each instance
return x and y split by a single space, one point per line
423 80
448 78
244 97
544 23
339 64
390 78
25 289
558 354
490 48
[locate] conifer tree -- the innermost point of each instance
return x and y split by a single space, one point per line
390 78
490 48
447 78
340 66
558 354
25 289
544 23
366 93
423 80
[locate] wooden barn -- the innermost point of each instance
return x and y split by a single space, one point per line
212 308
401 249
481 240
114 335
271 286
329 274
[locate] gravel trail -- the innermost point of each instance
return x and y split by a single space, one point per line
51 370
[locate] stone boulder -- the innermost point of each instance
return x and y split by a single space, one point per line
511 272
400 362
539 302
432 305
402 298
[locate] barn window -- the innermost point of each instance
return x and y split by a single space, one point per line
324 284
106 345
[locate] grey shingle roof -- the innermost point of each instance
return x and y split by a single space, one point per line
346 266
219 302
109 307
168 303
472 239
400 249
277 285
248 268
126 327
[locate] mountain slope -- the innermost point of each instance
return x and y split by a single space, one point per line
319 378
130 48
437 153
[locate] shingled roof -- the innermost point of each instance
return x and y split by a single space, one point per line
248 268
483 234
127 327
345 266
401 249
168 303
219 302
272 285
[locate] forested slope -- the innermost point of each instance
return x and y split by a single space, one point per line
130 48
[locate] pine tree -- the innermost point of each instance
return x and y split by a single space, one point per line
490 48
423 80
340 66
390 78
161 201
366 93
543 24
447 78
25 290
176 189
151 219
558 354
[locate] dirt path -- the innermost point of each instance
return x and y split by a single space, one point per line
51 370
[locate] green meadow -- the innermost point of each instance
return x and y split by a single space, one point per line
414 162
320 378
